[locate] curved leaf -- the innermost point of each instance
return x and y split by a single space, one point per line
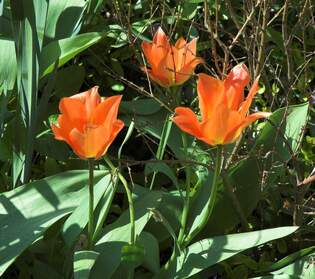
26 212
208 252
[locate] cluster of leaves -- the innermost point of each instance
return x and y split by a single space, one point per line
52 49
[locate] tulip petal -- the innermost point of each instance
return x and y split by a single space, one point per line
234 85
234 134
160 48
246 104
95 141
146 48
106 111
187 121
158 77
156 51
253 117
116 128
220 124
74 111
210 93
185 73
57 132
190 51
179 54
87 145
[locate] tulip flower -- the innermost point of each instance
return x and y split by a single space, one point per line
170 65
88 123
224 110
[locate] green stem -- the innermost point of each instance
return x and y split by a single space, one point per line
91 203
187 196
129 197
212 198
166 267
162 145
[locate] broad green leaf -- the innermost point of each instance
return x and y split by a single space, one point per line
83 261
118 234
69 81
140 107
132 255
29 18
245 179
170 207
208 252
64 18
63 50
26 212
288 260
152 254
103 208
303 268
77 221
280 276
8 65
162 168
282 135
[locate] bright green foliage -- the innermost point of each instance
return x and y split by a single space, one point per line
262 222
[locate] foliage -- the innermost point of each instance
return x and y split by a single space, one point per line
260 221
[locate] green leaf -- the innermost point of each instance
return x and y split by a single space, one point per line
103 208
64 18
82 263
170 208
152 254
245 179
118 234
208 252
132 255
28 22
288 260
281 276
69 81
303 268
282 134
77 221
8 65
162 168
26 212
140 107
63 50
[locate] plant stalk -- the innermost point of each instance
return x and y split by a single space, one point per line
91 203
129 197
212 198
187 196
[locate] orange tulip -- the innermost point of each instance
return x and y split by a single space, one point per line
88 123
224 112
170 65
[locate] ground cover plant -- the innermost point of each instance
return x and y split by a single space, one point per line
157 139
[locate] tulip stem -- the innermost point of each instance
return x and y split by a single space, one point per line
129 197
91 203
212 198
187 195
162 145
